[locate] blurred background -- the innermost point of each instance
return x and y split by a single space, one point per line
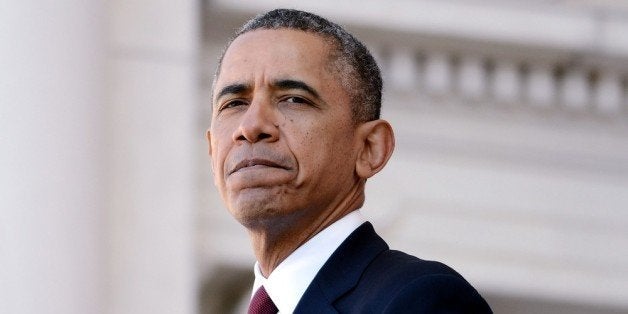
511 163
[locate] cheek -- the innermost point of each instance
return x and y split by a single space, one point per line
323 147
218 153
215 167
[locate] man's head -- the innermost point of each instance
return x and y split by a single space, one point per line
354 64
287 149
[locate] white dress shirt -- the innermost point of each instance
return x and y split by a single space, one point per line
287 283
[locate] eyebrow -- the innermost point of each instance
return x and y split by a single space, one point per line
295 84
236 88
239 88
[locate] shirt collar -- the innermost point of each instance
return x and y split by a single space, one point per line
287 283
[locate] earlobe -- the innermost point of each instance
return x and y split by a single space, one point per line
378 142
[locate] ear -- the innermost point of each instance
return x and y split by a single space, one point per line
208 135
377 142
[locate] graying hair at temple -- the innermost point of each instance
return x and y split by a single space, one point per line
356 67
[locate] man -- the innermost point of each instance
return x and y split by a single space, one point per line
295 134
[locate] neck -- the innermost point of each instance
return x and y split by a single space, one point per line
274 242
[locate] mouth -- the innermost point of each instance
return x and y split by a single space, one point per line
247 163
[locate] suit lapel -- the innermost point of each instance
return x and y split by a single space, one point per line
342 271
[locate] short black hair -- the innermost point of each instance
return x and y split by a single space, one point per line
359 72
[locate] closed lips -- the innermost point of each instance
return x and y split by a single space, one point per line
256 162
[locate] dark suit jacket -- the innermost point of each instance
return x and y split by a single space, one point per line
364 276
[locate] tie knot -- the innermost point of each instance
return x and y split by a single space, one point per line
261 303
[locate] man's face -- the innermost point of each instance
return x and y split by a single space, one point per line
282 138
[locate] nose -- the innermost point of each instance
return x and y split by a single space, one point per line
258 124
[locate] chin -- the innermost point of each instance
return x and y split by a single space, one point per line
256 212
266 214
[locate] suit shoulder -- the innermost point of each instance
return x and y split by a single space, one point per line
396 263
436 293
395 282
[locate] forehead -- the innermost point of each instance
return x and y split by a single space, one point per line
270 54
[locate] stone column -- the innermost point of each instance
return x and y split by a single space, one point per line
403 70
608 94
506 82
472 79
575 89
52 148
541 86
438 78
153 142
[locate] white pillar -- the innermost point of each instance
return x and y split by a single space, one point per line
154 139
575 92
506 82
541 86
52 145
437 73
472 77
403 69
608 93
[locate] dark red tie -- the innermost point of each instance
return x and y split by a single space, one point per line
261 303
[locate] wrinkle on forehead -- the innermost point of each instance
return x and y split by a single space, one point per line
323 47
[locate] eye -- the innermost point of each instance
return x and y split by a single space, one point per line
233 104
296 100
